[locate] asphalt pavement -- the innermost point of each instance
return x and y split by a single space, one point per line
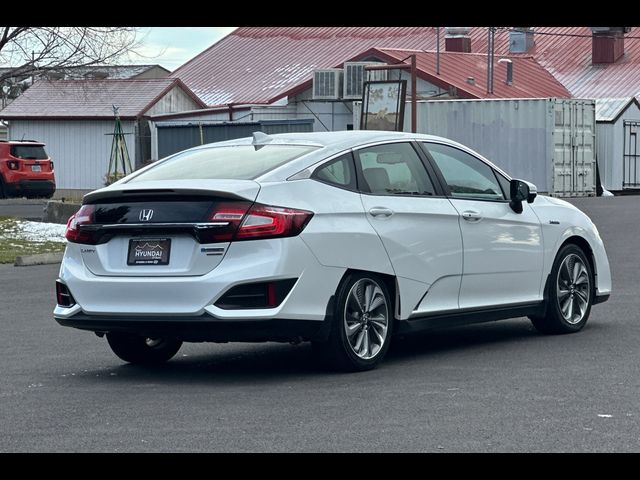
485 388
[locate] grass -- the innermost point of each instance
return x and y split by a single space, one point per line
11 245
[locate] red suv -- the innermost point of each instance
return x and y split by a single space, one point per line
25 170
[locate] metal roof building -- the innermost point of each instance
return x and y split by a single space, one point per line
75 119
618 142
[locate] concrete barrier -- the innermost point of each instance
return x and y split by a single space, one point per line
38 259
59 212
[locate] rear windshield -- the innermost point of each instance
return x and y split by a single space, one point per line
237 163
29 152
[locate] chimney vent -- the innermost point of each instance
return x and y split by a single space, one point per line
457 39
607 44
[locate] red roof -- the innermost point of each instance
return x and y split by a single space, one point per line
530 80
261 64
264 64
91 98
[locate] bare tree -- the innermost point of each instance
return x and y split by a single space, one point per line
30 51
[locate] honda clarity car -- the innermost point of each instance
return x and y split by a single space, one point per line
343 239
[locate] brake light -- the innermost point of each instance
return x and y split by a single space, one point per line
247 222
51 164
13 165
265 221
84 216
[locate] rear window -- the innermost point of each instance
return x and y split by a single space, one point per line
29 152
238 163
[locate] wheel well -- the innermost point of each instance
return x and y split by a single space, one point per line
585 247
389 281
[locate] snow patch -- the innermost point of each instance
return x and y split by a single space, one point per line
40 231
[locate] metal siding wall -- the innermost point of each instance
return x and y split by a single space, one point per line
511 133
606 153
175 138
80 149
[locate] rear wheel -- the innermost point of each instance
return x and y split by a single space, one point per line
2 192
570 293
363 323
143 350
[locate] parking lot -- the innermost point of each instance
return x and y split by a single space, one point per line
483 388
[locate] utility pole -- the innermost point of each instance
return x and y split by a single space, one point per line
490 39
437 50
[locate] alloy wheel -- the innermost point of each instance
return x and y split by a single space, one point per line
366 318
573 288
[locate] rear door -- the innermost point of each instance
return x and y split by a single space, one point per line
416 223
503 254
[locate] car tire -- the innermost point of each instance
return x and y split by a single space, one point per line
570 293
143 350
2 192
362 325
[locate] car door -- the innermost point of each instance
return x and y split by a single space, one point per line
416 223
503 252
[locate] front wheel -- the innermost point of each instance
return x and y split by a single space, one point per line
570 293
363 323
143 350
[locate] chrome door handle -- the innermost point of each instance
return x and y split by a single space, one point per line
380 212
472 216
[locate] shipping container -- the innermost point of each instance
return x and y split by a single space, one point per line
547 141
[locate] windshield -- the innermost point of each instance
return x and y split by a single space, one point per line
243 162
29 152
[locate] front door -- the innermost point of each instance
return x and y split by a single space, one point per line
503 254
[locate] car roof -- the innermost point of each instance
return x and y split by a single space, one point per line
23 142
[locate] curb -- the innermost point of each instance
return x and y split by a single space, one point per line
38 259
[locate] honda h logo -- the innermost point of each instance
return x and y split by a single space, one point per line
145 215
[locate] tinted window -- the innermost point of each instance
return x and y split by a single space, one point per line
29 152
393 169
505 184
237 162
339 172
466 175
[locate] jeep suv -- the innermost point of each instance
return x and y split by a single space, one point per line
25 170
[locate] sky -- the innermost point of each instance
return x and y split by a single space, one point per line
173 46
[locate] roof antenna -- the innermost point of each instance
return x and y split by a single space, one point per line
260 139
22 139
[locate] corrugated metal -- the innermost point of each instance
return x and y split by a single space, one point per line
607 109
176 136
521 137
610 143
112 71
80 149
272 60
530 80
88 98
3 133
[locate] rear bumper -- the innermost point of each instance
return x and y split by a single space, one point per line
202 328
30 187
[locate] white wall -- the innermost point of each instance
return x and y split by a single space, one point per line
80 149
609 144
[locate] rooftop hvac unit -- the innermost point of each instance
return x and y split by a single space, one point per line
327 84
355 75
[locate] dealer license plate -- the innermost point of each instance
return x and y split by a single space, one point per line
149 251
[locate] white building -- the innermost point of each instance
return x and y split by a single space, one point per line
75 120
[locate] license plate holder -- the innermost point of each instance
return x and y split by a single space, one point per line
149 251
36 168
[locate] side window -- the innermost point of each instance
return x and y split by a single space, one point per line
466 175
393 169
505 184
339 172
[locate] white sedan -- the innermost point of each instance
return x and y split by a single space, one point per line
342 239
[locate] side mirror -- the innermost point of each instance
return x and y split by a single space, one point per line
521 191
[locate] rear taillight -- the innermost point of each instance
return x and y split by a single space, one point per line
13 165
84 216
63 295
246 222
51 165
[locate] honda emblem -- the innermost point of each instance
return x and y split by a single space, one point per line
145 215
